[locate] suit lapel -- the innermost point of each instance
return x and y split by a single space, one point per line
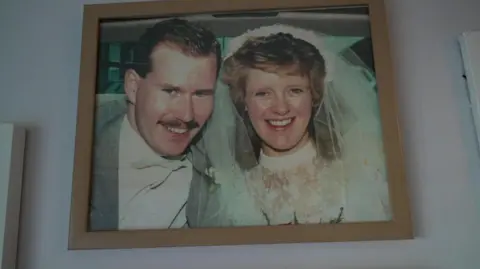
199 199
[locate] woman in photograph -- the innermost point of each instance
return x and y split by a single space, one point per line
295 136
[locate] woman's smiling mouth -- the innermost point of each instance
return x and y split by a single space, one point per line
280 124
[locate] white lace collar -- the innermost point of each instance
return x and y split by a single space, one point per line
304 155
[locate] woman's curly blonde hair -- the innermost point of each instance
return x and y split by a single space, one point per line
280 53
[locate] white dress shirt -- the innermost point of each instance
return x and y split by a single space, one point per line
153 190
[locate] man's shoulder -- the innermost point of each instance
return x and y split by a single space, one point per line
109 116
108 109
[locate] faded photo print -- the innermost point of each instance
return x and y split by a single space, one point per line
226 120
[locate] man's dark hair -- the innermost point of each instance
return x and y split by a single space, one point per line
191 38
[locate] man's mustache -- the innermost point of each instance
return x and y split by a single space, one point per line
179 124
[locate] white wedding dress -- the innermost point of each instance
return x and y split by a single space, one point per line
302 187
297 188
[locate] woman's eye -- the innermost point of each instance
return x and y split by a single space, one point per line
296 90
260 94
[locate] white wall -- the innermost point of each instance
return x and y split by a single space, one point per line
40 56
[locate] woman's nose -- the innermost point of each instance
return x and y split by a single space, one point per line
281 106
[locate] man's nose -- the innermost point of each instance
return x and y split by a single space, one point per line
185 110
280 105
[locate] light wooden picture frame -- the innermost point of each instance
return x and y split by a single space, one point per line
105 68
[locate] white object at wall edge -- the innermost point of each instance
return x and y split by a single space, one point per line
470 50
12 144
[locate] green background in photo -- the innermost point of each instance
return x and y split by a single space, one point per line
114 60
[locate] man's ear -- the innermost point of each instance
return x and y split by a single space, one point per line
131 85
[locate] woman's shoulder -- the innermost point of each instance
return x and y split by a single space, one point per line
333 170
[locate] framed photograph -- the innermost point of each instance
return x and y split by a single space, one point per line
246 122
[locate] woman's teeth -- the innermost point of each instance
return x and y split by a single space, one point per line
177 130
280 122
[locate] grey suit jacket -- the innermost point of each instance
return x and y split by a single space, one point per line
104 192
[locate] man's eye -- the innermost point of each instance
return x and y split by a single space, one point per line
170 91
204 93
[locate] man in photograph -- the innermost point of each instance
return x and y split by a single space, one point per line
146 144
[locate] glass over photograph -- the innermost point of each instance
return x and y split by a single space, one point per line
225 120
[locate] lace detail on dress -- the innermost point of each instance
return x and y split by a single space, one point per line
311 192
